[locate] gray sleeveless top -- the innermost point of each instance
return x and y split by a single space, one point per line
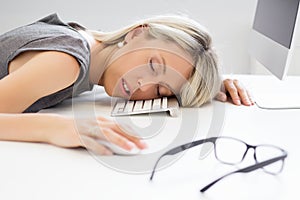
49 33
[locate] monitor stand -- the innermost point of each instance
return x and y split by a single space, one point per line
271 93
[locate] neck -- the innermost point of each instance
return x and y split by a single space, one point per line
100 55
99 63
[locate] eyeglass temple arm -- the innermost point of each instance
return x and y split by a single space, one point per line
246 170
180 149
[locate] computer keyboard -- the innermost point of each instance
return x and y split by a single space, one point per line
132 107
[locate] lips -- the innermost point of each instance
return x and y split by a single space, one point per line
124 87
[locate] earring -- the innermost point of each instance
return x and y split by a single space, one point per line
121 44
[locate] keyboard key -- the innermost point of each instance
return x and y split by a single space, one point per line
147 105
164 103
129 106
119 107
138 106
156 104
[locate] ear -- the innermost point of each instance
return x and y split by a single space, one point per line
135 32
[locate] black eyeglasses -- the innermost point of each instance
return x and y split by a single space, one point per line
232 151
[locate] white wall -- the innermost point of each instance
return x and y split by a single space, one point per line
229 21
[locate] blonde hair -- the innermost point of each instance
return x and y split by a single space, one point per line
205 81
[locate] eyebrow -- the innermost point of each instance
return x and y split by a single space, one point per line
164 72
164 65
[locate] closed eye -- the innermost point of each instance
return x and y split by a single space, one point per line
151 65
154 65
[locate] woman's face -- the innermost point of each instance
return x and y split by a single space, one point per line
147 69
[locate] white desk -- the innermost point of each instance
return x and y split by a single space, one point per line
41 171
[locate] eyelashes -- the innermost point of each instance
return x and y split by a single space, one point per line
155 69
152 67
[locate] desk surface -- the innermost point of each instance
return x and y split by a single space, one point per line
41 171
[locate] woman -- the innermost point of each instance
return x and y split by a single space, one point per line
45 62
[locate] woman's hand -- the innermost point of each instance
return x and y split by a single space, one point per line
234 90
87 132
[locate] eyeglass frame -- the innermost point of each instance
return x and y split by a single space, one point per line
257 165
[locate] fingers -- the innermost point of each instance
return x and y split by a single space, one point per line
104 129
237 92
114 137
91 144
130 136
250 98
221 96
231 88
243 93
90 140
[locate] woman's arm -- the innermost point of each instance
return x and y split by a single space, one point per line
66 132
37 128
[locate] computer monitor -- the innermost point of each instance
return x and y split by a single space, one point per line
275 34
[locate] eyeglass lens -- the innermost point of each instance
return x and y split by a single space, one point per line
233 151
265 152
229 150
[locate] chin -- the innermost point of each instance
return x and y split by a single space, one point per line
109 93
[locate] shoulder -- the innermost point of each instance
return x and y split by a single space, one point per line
47 34
46 73
58 68
52 70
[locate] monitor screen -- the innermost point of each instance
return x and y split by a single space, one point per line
276 19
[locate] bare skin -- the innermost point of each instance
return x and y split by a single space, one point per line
35 74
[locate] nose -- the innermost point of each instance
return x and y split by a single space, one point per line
144 86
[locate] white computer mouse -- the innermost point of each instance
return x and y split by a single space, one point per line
118 150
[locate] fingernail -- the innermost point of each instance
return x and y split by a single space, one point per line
130 145
238 102
144 144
